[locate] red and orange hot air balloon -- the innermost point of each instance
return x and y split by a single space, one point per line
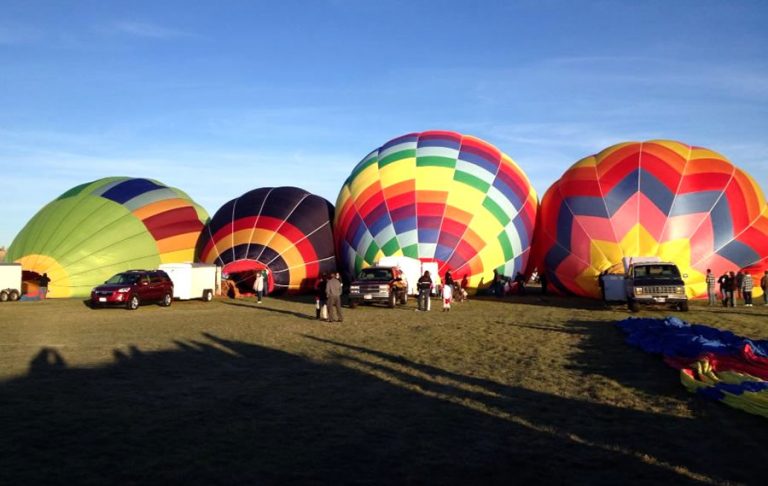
688 205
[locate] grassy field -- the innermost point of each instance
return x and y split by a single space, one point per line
494 392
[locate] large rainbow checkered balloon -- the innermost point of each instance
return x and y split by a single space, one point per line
437 196
283 230
97 229
684 204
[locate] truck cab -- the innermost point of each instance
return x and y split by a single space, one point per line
655 283
379 284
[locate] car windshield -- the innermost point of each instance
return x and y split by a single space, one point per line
375 274
659 271
123 278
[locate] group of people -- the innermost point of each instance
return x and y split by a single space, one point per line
734 286
450 291
502 285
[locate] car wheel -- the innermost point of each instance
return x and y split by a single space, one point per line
133 303
13 296
352 303
404 298
684 306
167 300
3 296
392 300
208 295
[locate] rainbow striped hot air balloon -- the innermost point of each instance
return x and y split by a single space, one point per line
284 230
106 226
437 196
684 204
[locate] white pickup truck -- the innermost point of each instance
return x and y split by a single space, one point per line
655 283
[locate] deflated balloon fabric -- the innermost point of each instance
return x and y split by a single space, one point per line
714 363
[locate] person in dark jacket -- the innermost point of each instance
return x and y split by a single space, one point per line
497 284
333 293
42 283
520 281
722 281
730 288
424 286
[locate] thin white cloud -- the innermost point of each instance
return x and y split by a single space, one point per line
147 30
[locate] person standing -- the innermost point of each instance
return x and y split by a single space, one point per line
497 284
730 288
723 281
258 285
424 286
764 286
448 280
747 284
464 291
447 297
710 280
333 294
321 299
739 283
42 283
520 281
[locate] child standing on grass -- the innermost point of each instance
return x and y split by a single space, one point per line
447 297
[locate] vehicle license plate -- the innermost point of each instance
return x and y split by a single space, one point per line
102 299
367 296
660 299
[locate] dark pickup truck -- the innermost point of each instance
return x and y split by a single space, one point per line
379 284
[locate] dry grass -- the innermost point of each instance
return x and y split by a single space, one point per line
520 390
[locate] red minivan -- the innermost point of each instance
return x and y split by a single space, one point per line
133 288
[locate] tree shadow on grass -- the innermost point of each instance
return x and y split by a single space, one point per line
550 300
216 411
267 308
698 445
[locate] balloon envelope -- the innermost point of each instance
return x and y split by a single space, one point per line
284 230
440 197
684 204
100 228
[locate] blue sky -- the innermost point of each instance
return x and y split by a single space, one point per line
218 98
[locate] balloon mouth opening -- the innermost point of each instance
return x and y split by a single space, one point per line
243 274
29 285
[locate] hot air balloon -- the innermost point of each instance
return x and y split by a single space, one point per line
283 230
103 227
684 204
441 197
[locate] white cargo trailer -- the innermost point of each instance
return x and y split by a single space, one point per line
194 280
10 281
412 268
